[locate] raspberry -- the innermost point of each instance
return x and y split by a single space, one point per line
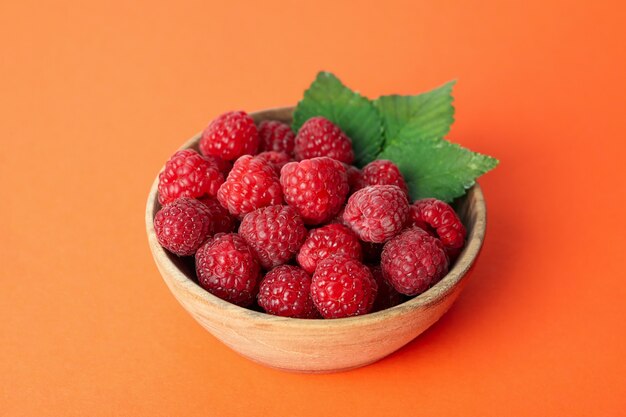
286 291
413 261
182 226
329 240
316 187
230 136
387 296
276 136
382 172
377 213
355 177
318 136
274 233
188 174
342 287
338 219
222 165
439 219
228 269
251 184
277 159
221 220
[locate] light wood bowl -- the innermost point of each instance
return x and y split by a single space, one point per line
317 345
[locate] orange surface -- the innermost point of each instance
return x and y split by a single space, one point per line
95 97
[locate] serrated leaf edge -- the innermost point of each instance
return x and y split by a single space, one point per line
387 140
491 163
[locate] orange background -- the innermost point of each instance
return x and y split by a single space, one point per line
95 97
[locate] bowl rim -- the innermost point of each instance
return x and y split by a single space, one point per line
432 296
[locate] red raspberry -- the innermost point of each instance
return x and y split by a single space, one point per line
338 219
377 213
342 287
316 187
329 240
222 165
251 184
382 172
274 233
221 220
230 136
228 269
318 136
355 178
182 226
413 261
439 219
277 159
286 291
387 296
188 174
276 136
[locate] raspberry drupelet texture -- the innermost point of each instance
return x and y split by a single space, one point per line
183 225
355 178
413 261
343 287
377 213
277 159
387 296
286 291
221 220
319 136
228 269
316 188
382 172
276 136
274 233
327 241
438 218
250 185
188 174
230 136
222 165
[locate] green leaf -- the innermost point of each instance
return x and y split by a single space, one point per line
427 115
436 168
431 167
353 113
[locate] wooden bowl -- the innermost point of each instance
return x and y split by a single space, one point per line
316 345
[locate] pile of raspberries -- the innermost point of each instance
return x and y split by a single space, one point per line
284 222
